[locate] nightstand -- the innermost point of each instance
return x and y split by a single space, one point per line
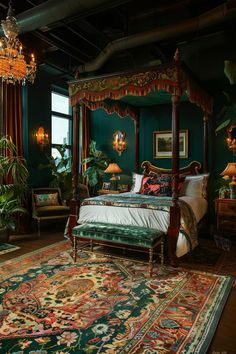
226 215
108 191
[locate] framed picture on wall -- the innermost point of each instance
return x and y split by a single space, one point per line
162 144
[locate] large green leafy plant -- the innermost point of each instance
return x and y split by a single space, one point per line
97 162
13 184
61 171
227 114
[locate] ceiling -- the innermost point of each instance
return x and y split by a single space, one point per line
104 36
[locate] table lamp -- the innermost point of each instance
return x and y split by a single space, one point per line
113 168
230 171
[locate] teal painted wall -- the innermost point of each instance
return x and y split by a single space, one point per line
103 126
37 112
159 118
151 119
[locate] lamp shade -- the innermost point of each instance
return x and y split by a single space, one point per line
113 168
230 169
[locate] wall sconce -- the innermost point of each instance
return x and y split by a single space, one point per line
119 143
42 137
230 171
231 138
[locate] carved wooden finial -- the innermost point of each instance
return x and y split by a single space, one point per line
177 55
77 75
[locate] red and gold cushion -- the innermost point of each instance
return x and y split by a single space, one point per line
157 185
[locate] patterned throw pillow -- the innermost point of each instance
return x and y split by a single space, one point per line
157 185
136 183
46 199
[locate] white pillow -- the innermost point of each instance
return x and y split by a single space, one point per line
136 182
195 186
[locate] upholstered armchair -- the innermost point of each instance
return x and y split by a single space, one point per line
47 205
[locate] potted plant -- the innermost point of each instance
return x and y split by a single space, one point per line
97 162
227 114
13 187
223 192
9 208
61 171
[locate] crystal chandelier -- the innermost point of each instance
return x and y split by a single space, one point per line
13 66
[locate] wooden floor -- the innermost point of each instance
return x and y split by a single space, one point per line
224 341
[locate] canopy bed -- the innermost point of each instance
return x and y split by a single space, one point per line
110 92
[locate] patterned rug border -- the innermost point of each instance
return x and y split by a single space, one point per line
12 248
42 254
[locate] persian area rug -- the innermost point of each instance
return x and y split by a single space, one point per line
7 247
101 305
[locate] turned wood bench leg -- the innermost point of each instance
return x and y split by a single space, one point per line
150 261
162 253
38 226
74 248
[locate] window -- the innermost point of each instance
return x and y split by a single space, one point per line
61 123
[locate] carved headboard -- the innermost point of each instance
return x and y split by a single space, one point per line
194 168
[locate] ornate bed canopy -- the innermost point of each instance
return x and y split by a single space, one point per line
172 82
124 93
172 78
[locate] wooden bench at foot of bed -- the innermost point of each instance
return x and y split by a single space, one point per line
115 235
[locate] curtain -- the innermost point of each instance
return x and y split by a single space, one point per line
12 114
85 134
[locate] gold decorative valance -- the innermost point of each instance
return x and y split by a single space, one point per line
171 78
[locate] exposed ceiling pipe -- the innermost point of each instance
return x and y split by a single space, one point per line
52 11
218 15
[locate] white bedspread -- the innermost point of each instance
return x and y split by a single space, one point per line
142 217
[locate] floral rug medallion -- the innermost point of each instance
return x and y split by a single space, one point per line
100 305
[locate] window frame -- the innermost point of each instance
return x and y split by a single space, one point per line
64 116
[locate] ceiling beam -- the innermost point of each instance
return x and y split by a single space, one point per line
44 38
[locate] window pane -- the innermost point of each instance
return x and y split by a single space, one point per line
60 103
60 130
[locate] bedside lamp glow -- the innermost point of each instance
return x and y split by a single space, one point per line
230 171
113 168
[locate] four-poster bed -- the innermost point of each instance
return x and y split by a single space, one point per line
106 91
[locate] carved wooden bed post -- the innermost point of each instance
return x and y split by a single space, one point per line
173 229
205 143
136 132
74 202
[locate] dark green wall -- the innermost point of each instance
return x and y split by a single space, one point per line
37 112
159 119
103 126
151 119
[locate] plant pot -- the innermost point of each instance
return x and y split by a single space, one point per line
4 235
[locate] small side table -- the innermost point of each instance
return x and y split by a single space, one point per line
226 215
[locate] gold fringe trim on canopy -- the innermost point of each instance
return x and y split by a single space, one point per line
171 78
